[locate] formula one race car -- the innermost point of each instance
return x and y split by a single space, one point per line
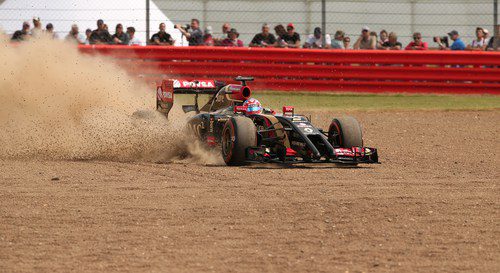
245 136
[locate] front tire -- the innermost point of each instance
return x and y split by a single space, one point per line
345 132
238 134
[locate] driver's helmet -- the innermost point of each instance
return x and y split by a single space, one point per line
253 106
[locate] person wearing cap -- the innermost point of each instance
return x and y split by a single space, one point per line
162 38
417 43
264 39
458 44
232 39
120 37
37 27
23 34
316 40
100 35
365 40
478 44
74 35
207 37
291 38
338 40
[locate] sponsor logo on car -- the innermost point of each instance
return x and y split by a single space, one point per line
194 84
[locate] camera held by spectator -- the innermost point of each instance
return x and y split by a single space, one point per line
186 26
442 40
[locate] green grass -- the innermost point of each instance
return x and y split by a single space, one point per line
365 102
343 101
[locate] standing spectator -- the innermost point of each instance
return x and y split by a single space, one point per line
208 39
479 44
101 34
88 32
120 37
264 39
417 43
347 42
494 42
338 40
194 35
365 41
458 44
49 29
232 39
280 32
392 43
384 37
316 40
37 27
74 36
291 38
162 37
133 41
23 34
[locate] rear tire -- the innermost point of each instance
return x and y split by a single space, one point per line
345 132
238 134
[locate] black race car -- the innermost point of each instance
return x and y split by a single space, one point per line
266 137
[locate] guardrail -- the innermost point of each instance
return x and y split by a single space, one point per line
317 70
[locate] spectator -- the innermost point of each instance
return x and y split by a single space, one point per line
101 34
37 27
225 30
232 39
347 42
264 39
194 35
49 29
208 40
132 40
74 36
486 36
392 43
23 34
88 32
365 41
291 38
316 40
458 44
384 37
162 38
417 43
479 44
120 37
280 32
494 42
338 40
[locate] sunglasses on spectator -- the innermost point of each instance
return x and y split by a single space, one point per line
417 38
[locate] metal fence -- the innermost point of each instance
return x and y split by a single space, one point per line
431 18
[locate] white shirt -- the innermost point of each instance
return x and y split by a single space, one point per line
318 42
135 41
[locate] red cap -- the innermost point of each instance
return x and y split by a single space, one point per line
291 25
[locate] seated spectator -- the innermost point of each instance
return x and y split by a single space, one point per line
225 30
264 39
132 40
478 44
458 44
494 42
88 32
384 37
162 38
49 29
338 40
100 35
365 40
291 38
120 37
417 43
347 43
316 40
23 34
37 27
280 32
232 39
392 43
74 36
486 36
208 40
194 35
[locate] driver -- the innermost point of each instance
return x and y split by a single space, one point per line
253 106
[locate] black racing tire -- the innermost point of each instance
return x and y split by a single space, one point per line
238 134
345 132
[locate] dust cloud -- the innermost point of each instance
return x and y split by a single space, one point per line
56 103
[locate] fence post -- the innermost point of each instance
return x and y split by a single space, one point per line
147 21
323 21
495 13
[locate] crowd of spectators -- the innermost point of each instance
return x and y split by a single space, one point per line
284 38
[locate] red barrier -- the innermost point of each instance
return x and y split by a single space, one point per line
317 70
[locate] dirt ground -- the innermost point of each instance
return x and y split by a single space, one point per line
431 206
